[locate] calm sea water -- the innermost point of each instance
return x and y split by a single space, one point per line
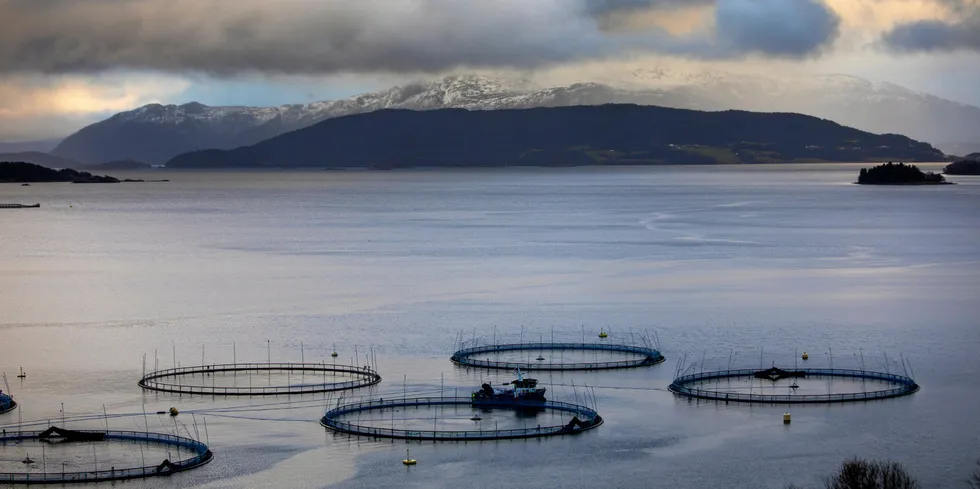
744 264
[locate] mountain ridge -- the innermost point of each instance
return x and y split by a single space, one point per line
41 159
154 133
41 145
613 134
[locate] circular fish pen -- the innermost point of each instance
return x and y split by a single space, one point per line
256 379
59 456
718 385
557 356
462 419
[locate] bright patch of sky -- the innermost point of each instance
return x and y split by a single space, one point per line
274 92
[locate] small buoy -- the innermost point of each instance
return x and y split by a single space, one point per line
786 418
334 354
476 417
174 411
408 459
27 460
794 385
602 333
540 359
805 356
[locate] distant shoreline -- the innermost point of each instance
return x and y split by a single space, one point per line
512 167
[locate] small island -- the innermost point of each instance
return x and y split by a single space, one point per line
899 174
20 172
963 167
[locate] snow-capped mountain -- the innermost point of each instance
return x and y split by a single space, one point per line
849 100
154 133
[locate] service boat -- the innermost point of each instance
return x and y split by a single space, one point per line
524 391
7 403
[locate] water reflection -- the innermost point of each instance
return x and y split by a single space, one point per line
714 259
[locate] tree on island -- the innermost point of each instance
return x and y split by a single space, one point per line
859 473
863 474
897 174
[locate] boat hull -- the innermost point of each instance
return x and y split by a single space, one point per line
7 404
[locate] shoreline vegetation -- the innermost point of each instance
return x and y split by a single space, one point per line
899 174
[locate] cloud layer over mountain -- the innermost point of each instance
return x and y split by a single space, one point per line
226 37
66 63
960 33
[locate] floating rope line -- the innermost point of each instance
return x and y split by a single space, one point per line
201 455
691 385
583 419
467 357
168 380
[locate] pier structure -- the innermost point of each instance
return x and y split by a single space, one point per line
20 206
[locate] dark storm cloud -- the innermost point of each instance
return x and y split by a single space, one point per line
226 37
936 35
775 27
602 7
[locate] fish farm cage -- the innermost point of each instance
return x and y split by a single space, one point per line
699 385
194 380
582 419
200 452
641 356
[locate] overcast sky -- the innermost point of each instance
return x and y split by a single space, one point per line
65 63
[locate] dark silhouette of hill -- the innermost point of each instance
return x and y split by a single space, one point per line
21 172
898 174
561 136
963 167
43 146
39 158
52 161
155 133
119 138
